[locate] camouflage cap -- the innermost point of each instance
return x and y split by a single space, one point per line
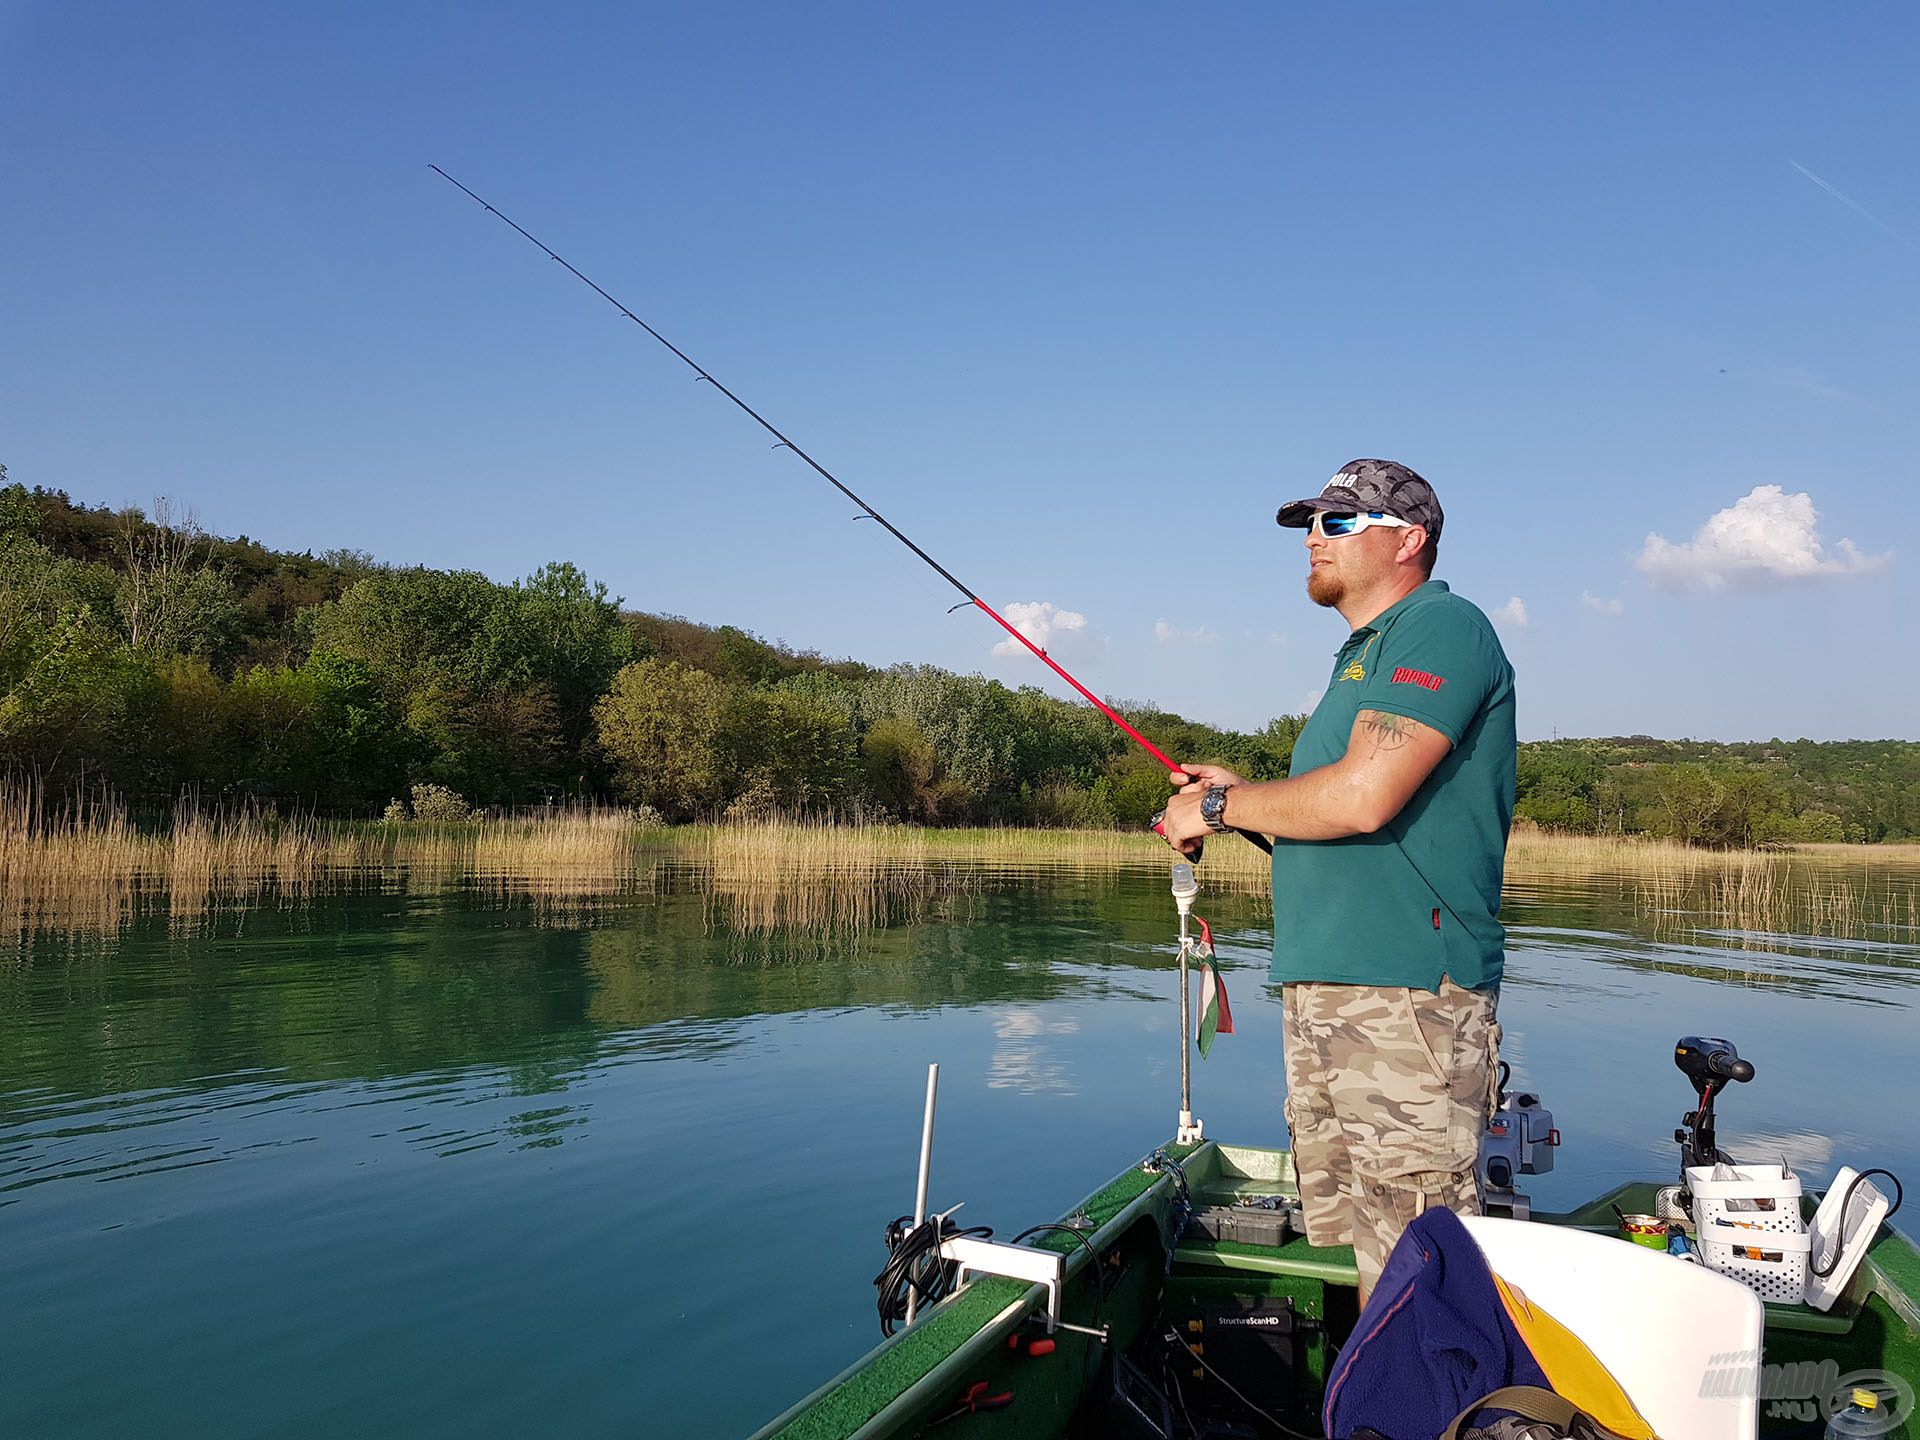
1363 485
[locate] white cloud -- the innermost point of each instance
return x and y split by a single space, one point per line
1044 623
1276 637
1171 635
1308 705
1765 539
1602 607
1513 614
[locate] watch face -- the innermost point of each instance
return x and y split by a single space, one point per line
1213 804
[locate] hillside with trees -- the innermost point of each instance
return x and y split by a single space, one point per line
145 658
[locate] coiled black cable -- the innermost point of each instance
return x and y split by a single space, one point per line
1839 1248
915 1265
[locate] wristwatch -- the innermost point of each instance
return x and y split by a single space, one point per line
1213 808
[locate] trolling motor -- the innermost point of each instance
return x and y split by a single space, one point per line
1711 1064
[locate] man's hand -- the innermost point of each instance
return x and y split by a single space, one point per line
1201 777
1181 825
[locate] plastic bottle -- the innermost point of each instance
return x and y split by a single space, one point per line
1860 1419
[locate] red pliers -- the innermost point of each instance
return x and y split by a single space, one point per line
975 1400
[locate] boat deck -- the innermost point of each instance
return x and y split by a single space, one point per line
977 1336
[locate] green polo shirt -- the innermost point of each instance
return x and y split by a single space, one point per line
1419 898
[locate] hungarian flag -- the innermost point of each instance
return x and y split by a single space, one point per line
1216 1015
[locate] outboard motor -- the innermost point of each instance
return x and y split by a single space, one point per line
1520 1140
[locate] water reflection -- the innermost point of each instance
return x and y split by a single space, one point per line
484 1111
1023 1059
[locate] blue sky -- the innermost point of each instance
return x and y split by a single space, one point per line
1076 295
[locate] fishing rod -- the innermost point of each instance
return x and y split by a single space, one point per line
1174 771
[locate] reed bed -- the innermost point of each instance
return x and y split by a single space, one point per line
1842 892
75 867
561 847
1231 863
83 867
830 879
1771 898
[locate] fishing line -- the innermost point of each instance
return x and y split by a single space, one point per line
699 371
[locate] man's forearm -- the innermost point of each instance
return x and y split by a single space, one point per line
1329 803
1388 757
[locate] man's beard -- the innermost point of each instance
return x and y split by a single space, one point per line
1325 588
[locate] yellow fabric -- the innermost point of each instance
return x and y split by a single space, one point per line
1572 1367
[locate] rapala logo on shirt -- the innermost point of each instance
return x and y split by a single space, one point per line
1403 676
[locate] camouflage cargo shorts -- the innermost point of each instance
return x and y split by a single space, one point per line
1388 1091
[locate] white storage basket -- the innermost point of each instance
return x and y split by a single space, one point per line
1764 1249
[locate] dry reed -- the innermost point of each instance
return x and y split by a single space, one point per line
830 879
83 867
1762 896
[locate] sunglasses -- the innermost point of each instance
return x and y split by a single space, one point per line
1335 524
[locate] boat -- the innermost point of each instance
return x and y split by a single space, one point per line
1182 1299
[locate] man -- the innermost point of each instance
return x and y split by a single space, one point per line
1390 840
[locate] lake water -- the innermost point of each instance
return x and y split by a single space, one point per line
458 1165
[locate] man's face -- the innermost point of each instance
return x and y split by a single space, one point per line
1351 564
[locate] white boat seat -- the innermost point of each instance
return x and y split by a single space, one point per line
1660 1325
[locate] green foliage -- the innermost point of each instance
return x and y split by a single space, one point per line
1136 790
900 767
191 612
1067 807
139 652
71 702
793 749
664 730
18 514
495 685
571 640
1713 794
321 732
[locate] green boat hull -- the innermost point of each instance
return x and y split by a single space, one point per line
910 1384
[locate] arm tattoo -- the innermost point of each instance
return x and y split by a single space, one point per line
1388 731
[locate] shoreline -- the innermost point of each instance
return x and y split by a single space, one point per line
90 871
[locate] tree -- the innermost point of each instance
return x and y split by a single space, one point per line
1276 741
495 685
68 689
899 765
795 750
170 600
1684 799
663 728
321 732
1554 788
70 701
573 641
18 514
